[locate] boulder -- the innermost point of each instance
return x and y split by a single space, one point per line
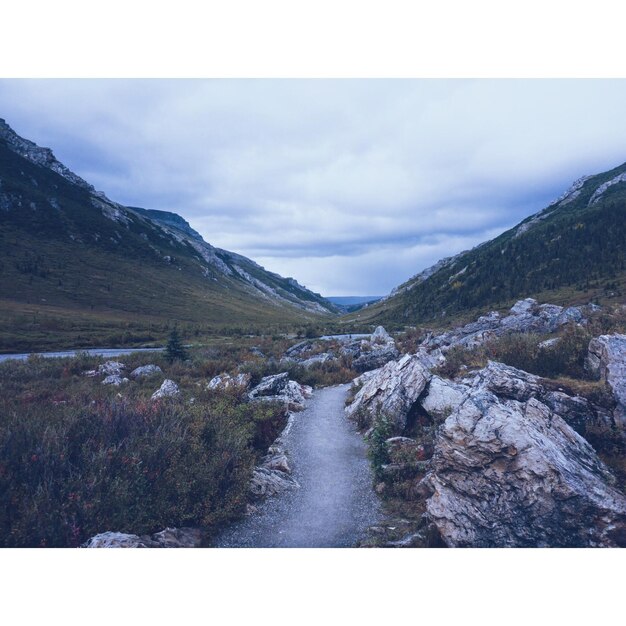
380 335
168 538
270 385
392 390
376 357
606 360
144 371
168 389
279 388
507 473
226 381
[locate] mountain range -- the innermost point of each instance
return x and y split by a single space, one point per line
78 269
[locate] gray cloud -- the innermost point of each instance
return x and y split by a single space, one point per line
351 186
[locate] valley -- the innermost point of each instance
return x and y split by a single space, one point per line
195 399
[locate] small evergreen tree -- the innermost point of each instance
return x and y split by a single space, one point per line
174 349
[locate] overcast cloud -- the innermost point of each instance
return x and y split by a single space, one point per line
350 186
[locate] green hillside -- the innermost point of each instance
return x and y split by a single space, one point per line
572 251
77 269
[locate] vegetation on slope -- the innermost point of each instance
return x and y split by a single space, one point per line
574 251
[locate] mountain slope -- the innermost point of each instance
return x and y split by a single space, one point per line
574 250
66 249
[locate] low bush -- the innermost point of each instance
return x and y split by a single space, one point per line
78 458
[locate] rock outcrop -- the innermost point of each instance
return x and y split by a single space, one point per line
525 316
498 458
507 473
168 389
606 361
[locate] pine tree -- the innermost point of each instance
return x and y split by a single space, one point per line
174 349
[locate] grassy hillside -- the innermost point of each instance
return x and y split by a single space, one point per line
78 269
574 251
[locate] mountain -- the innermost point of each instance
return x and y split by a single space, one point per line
348 304
72 260
573 251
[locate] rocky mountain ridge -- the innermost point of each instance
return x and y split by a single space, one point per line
65 244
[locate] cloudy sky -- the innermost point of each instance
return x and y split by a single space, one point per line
350 186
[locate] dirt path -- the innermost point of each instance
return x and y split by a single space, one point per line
335 503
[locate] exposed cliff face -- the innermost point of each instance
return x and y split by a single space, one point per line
65 244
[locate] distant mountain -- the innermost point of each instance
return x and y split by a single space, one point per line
71 250
348 304
573 251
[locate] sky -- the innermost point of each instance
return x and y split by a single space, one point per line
349 186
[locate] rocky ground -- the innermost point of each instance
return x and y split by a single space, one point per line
497 457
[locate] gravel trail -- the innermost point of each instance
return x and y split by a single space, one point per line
335 502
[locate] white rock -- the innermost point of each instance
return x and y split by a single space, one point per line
115 380
606 360
442 397
226 381
168 389
512 474
146 370
392 390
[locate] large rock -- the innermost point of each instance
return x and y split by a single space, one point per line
168 538
606 360
511 383
168 389
392 391
144 371
442 397
279 388
507 473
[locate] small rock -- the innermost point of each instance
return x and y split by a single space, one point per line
168 389
226 381
115 380
146 370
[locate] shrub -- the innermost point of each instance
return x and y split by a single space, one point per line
77 459
377 451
